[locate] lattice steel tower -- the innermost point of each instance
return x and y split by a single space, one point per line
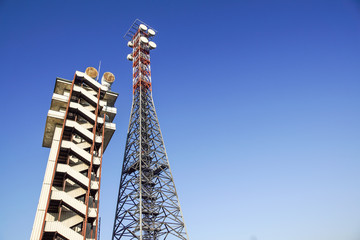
147 207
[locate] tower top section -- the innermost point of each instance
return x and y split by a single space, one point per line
138 24
139 38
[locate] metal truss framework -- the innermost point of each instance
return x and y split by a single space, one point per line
147 207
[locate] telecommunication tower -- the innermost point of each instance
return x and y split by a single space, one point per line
147 206
77 131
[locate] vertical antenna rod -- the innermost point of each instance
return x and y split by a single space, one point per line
97 79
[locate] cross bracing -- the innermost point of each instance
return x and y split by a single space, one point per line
147 206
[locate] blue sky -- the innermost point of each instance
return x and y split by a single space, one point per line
258 103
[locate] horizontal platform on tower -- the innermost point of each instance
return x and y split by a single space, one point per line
146 196
159 169
55 118
60 102
106 105
147 182
147 228
135 167
149 212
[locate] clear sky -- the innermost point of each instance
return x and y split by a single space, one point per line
258 103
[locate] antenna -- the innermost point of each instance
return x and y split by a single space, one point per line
135 26
148 208
97 79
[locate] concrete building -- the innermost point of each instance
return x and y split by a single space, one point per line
77 131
